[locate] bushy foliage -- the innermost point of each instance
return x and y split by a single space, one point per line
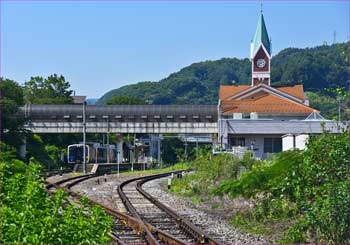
262 177
327 105
30 216
313 184
321 188
171 150
36 150
10 103
54 154
7 152
210 170
51 90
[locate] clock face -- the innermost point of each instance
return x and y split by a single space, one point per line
261 63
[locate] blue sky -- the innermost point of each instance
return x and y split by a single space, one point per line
100 46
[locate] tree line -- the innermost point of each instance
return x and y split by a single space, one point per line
319 69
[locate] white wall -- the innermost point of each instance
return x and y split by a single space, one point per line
301 140
287 142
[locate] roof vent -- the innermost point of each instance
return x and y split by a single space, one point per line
314 116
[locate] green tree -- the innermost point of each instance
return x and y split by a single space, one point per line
125 100
170 148
342 97
327 105
51 90
10 103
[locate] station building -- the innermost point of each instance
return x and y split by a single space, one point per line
261 117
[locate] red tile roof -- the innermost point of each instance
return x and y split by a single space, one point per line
230 90
296 91
269 104
226 91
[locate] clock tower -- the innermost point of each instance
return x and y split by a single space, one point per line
260 54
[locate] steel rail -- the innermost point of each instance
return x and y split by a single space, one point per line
132 222
60 182
149 236
47 174
138 225
186 225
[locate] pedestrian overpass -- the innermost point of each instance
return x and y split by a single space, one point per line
148 119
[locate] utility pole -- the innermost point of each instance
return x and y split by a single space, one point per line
159 150
185 149
134 150
84 136
339 109
108 150
118 162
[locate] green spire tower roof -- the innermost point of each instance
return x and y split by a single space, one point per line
261 36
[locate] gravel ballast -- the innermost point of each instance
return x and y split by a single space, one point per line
214 224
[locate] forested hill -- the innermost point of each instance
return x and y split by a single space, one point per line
317 68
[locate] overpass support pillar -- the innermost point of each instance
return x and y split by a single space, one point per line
23 149
214 140
119 148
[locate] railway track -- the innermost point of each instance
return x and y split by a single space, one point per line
147 221
126 230
66 182
165 225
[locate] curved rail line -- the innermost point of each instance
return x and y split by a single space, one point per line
127 230
175 226
58 184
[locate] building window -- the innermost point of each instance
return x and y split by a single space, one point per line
237 141
272 145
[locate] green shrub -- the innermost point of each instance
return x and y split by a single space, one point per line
210 170
263 177
315 184
30 215
54 154
248 161
320 187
